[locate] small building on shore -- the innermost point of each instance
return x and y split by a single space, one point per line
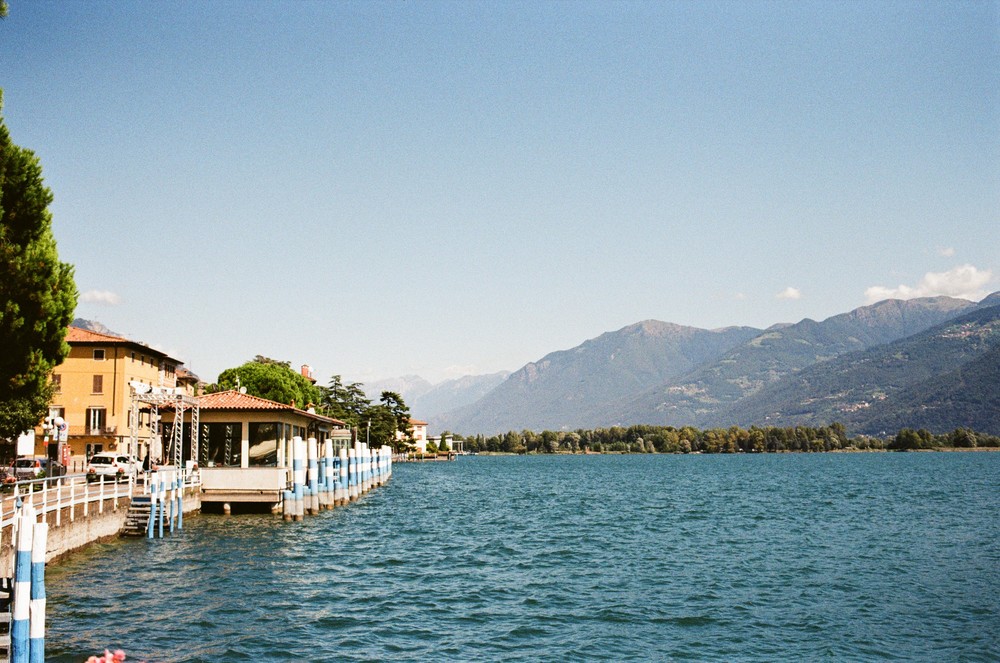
418 431
245 445
240 430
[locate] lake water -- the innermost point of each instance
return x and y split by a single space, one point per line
850 557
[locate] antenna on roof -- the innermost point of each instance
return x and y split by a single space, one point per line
243 390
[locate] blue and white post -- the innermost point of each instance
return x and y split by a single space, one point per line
328 474
170 487
299 470
154 477
342 496
352 474
180 499
313 476
161 497
20 632
366 468
36 631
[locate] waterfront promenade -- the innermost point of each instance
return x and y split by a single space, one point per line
78 513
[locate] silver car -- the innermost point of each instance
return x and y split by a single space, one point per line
105 466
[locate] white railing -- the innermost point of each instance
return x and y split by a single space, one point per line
189 479
53 494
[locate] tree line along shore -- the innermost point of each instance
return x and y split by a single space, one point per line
768 439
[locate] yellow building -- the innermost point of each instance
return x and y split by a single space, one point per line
418 431
93 396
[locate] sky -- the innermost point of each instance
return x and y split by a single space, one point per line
381 189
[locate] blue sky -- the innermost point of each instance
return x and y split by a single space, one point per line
448 188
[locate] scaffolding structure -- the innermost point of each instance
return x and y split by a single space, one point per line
155 398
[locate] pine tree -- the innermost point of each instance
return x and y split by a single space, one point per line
37 292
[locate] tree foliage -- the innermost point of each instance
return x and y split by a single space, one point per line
383 421
345 402
271 379
667 439
37 291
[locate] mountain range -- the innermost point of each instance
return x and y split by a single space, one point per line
845 368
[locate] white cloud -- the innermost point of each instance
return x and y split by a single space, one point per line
105 297
964 282
740 296
789 293
947 252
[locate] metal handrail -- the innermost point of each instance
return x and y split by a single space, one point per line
53 494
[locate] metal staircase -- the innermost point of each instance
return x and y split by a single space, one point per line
137 519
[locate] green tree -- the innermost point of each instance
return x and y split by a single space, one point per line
345 402
37 292
379 427
400 412
273 380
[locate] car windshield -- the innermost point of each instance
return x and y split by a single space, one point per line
101 460
24 462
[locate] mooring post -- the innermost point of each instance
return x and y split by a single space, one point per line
180 501
313 476
37 628
162 485
352 474
342 497
151 523
20 628
300 476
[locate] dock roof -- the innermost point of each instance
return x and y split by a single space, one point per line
234 400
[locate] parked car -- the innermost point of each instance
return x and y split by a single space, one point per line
117 466
32 468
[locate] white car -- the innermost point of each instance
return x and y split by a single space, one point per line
117 466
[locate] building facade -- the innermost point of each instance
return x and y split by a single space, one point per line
240 430
93 396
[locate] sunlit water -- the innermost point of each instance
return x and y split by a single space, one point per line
654 558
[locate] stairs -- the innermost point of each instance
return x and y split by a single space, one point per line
6 601
137 519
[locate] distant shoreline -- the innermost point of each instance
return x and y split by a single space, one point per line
736 453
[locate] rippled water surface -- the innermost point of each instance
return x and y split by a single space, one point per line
651 558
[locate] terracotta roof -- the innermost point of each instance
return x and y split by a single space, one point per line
81 335
417 422
234 400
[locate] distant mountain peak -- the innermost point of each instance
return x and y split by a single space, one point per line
94 326
991 300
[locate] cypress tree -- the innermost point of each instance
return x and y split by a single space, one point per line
37 292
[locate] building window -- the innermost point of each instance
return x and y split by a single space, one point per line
99 355
98 384
96 420
221 445
56 383
264 444
133 356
